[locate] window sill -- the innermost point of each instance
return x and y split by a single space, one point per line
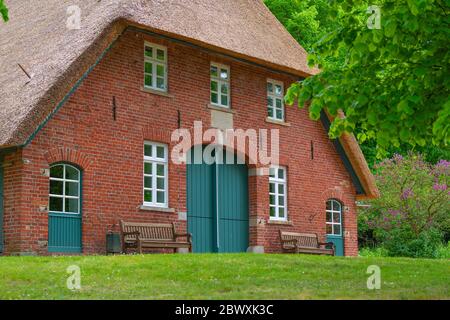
223 109
158 209
280 222
157 92
279 122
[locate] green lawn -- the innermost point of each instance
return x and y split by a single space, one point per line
236 276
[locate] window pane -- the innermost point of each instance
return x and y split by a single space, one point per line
214 86
224 74
336 206
270 101
148 196
272 188
224 100
160 70
72 189
149 52
328 205
148 182
214 97
336 217
280 174
272 211
160 197
148 168
160 83
279 114
160 170
281 189
148 80
148 150
278 89
281 212
56 187
328 216
270 112
214 71
56 204
329 229
337 229
160 183
160 54
269 87
72 173
279 104
272 199
160 152
272 172
224 88
57 172
149 67
71 205
281 200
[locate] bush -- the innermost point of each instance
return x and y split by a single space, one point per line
411 218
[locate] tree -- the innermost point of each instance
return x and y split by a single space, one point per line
4 11
411 218
392 82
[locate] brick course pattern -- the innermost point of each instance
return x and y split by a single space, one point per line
110 152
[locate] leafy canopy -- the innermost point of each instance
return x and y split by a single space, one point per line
3 11
392 83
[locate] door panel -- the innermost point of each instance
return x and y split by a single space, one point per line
64 233
218 191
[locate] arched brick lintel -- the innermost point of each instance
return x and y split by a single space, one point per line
69 155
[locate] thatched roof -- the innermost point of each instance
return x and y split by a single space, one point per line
36 37
55 57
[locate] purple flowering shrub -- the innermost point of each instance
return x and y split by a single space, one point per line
412 216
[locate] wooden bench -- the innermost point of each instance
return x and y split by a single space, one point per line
141 236
292 242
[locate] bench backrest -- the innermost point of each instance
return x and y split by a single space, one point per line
149 231
309 240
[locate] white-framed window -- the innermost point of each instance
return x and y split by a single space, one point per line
155 67
65 189
155 174
278 193
275 100
220 85
334 217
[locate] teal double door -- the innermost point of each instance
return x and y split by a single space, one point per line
217 202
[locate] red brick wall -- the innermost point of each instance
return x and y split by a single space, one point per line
110 152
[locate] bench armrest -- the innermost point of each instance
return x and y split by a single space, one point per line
187 235
327 244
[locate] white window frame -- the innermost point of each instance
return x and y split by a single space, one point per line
154 161
277 181
220 83
155 62
274 96
333 212
64 196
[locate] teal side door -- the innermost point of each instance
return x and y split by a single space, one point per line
1 204
334 223
217 202
64 219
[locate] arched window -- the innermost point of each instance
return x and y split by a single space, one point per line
65 190
334 217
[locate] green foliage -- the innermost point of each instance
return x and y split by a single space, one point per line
411 218
3 11
392 83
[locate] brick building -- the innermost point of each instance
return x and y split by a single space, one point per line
87 117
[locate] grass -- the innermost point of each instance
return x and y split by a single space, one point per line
233 276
